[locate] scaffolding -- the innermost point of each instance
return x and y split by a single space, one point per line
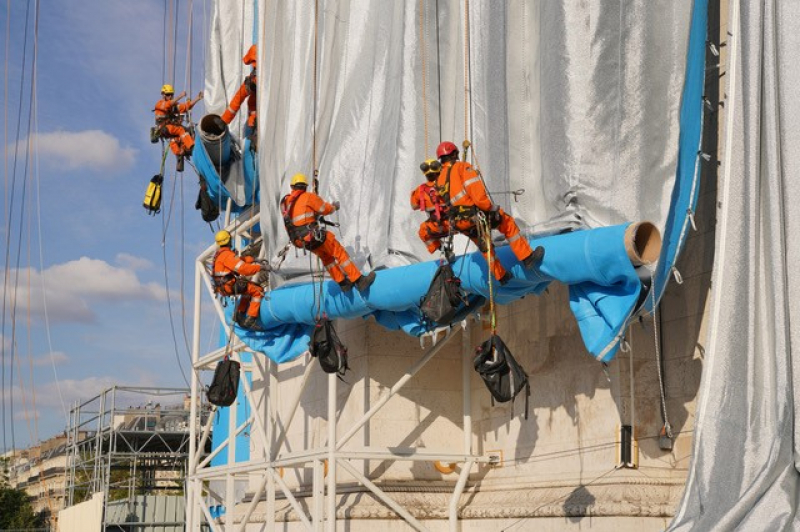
123 445
270 430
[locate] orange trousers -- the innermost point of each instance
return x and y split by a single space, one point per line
431 231
335 259
250 300
508 226
180 141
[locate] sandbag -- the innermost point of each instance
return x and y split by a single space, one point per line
444 297
225 384
500 371
328 349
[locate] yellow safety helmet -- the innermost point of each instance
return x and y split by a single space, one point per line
223 238
167 89
430 166
299 179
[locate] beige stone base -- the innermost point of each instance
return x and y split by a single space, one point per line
634 504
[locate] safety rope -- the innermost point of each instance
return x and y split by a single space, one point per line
485 235
466 74
424 53
656 341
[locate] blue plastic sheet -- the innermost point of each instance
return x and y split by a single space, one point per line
216 188
604 290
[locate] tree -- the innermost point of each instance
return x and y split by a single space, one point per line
16 510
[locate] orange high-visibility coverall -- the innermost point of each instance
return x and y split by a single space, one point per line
304 211
425 198
247 91
168 117
460 183
227 267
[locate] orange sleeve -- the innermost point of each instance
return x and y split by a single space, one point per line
472 182
235 264
415 199
236 103
319 206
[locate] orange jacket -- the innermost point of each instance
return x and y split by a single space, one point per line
426 198
306 209
170 110
227 262
465 189
245 92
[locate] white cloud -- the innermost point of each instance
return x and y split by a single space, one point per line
56 357
133 262
73 287
92 149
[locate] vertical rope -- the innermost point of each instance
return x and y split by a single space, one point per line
466 70
423 53
657 343
314 96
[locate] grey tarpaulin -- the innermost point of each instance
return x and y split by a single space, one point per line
577 103
744 470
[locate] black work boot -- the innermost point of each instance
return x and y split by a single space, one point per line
505 278
179 164
345 285
534 259
365 281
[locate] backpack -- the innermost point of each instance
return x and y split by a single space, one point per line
208 209
152 197
225 384
328 349
444 297
501 373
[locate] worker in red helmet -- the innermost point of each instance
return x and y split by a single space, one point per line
425 198
301 211
464 194
247 92
169 123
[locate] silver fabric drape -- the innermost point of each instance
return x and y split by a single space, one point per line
744 470
577 103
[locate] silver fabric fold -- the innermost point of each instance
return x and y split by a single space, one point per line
744 469
576 103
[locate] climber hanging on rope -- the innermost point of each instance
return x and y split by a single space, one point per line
170 115
425 198
464 194
302 212
230 275
247 91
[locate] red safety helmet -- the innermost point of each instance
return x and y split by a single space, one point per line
446 148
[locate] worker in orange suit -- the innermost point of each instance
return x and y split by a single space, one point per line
169 121
301 211
247 92
230 275
425 198
464 194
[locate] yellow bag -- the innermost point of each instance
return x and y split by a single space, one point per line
152 197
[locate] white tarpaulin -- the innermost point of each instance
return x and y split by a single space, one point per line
576 103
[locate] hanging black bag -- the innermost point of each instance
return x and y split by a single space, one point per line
225 384
328 349
208 209
501 373
443 298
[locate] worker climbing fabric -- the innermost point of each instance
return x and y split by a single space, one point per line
229 279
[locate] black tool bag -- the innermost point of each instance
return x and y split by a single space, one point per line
328 349
208 209
444 297
225 384
501 373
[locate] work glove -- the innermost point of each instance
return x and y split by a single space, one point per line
336 205
265 267
199 96
494 208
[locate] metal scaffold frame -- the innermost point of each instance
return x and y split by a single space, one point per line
107 434
271 429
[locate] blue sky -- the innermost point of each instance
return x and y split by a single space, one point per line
102 275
